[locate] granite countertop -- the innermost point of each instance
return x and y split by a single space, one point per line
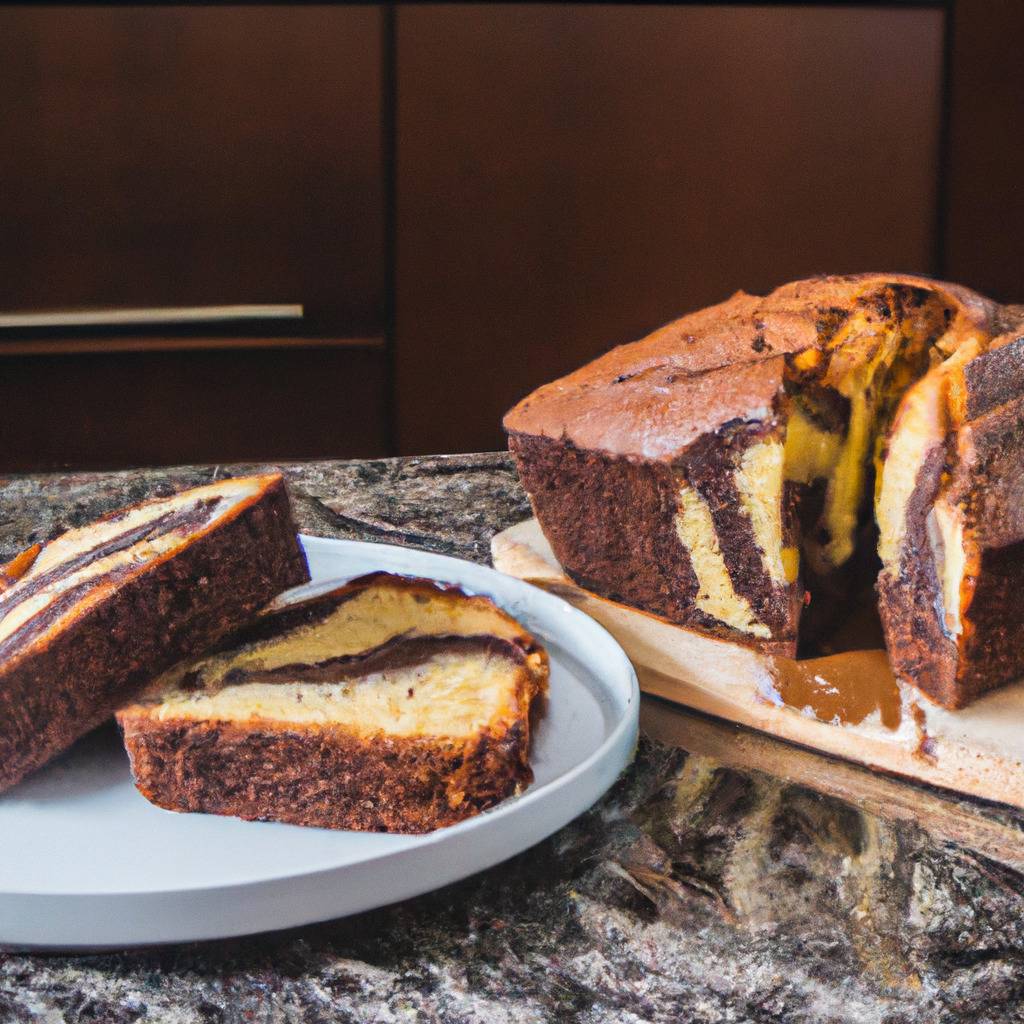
701 889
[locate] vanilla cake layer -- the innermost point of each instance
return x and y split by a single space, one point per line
344 623
447 694
81 560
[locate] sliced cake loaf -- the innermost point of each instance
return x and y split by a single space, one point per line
723 467
385 704
89 618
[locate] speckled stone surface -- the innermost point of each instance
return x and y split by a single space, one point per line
695 892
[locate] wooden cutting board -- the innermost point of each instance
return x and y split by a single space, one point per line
847 705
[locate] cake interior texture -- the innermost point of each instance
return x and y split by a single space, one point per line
752 469
88 618
447 695
388 703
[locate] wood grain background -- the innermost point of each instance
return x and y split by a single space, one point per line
467 200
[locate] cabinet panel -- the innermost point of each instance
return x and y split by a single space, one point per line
985 220
178 156
571 176
160 408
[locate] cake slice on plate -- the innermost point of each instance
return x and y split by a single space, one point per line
92 616
385 704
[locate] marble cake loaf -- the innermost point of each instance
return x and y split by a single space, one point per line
92 616
386 704
748 457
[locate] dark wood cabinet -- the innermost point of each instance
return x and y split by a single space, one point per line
164 407
983 211
183 157
180 156
570 176
465 200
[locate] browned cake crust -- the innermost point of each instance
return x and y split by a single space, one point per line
326 773
611 454
651 399
66 682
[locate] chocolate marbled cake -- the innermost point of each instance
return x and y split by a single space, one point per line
720 469
386 704
89 618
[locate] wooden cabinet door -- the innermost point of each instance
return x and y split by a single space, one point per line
177 157
984 225
570 176
192 155
116 409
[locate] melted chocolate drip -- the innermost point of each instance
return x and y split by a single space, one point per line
844 688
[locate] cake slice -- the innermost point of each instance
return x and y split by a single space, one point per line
386 704
950 512
749 457
92 616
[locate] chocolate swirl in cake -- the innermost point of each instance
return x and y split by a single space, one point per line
64 598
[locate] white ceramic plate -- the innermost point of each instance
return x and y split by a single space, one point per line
87 862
